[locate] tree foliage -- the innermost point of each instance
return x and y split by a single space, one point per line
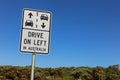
61 73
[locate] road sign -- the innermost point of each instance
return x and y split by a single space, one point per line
35 34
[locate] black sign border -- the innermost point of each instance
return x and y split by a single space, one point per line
36 30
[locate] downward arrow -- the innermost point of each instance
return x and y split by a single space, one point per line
30 15
43 25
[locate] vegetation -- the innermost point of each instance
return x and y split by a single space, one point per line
61 73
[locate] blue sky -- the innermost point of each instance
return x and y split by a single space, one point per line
83 33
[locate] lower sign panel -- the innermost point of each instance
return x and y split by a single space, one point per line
34 41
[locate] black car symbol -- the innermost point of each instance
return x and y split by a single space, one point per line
44 17
29 23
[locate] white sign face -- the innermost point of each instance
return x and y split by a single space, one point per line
35 31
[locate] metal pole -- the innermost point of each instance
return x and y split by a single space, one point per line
33 66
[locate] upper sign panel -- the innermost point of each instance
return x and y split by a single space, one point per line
37 20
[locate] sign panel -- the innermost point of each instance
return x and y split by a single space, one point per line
35 33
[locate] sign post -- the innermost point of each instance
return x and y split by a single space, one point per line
33 66
35 33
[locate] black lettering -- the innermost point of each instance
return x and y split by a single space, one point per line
29 34
27 41
41 35
24 47
35 34
44 49
40 42
35 42
45 43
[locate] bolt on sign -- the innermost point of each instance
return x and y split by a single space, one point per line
35 32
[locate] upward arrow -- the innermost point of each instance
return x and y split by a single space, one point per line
30 15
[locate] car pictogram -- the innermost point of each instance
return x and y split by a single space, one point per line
44 17
29 23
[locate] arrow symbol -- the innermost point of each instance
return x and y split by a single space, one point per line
43 25
30 15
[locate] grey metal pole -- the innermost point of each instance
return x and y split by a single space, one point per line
33 66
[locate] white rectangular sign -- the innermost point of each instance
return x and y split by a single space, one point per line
35 32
